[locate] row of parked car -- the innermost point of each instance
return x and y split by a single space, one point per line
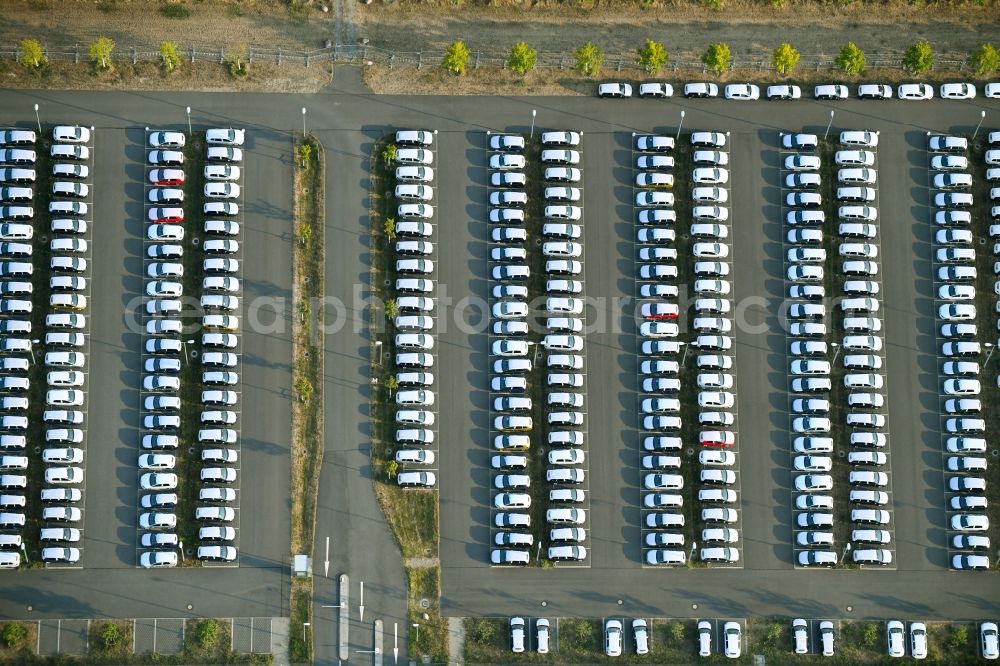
512 354
861 347
165 351
751 92
662 353
64 360
956 276
414 320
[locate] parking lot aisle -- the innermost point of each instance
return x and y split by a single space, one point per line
113 362
911 357
610 350
462 375
361 544
265 407
760 353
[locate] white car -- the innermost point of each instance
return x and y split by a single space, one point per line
656 89
614 90
702 90
915 91
742 91
784 92
830 92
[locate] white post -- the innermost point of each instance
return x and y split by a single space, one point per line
39 120
189 120
679 125
533 112
991 347
303 121
828 125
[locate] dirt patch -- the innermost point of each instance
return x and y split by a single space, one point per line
199 75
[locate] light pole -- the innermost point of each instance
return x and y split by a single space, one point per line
39 120
679 125
835 345
185 343
533 112
828 125
303 121
189 120
32 349
417 627
686 348
304 625
982 117
991 347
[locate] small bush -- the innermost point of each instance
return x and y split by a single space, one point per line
237 60
175 11
389 154
32 54
675 632
206 634
169 56
305 152
14 634
522 58
389 227
111 635
456 58
959 636
985 59
100 53
484 630
391 467
589 59
304 389
870 635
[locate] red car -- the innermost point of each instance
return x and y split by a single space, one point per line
659 310
717 438
166 177
166 215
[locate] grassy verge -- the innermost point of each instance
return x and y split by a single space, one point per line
534 219
986 316
688 396
188 456
307 370
833 283
147 75
111 641
38 385
579 641
19 641
423 608
412 514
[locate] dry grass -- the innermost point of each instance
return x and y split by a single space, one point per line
199 76
24 649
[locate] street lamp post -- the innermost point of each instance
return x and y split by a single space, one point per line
304 625
39 120
982 117
680 124
303 121
835 345
992 348
185 343
189 120
32 348
828 125
686 348
532 134
417 627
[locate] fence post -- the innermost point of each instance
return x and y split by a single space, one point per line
364 55
222 55
392 60
250 56
77 60
620 63
192 55
307 60
135 56
562 61
279 55
420 59
477 59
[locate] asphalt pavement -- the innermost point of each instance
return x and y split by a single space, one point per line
360 544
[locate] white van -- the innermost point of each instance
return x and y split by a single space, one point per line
863 380
574 516
10 560
414 138
859 138
414 156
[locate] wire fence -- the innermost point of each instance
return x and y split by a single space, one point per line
366 54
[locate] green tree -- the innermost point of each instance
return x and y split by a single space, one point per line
785 58
32 54
111 635
206 634
522 58
717 58
456 58
391 308
389 227
389 154
391 469
851 59
589 59
985 59
305 153
392 383
170 57
652 56
919 58
100 53
13 634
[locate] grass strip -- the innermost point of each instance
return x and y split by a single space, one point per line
308 262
